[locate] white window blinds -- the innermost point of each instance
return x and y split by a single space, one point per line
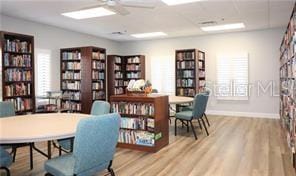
43 71
232 77
163 74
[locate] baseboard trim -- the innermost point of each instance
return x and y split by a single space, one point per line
244 114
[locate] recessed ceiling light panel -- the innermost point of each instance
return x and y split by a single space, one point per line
149 35
178 2
223 27
89 13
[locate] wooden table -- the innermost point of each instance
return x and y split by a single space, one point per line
38 127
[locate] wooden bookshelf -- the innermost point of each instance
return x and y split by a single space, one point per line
83 77
288 85
144 121
122 69
190 72
18 84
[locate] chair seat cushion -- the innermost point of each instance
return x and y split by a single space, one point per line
65 143
184 115
187 108
5 158
60 166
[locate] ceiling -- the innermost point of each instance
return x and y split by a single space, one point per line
176 21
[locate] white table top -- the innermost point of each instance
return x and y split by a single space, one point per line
179 99
38 127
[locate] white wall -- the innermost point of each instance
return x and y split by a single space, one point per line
263 49
52 38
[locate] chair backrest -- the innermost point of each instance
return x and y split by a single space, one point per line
100 108
154 91
6 109
199 105
95 142
5 158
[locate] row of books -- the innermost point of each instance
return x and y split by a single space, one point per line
201 65
118 83
17 60
98 75
117 67
17 46
98 55
133 67
118 91
17 89
21 104
71 75
186 65
98 65
185 55
74 55
98 95
69 95
185 83
185 73
133 108
98 85
289 69
71 65
17 75
186 92
118 75
73 85
118 60
133 60
201 56
139 123
136 137
202 74
73 106
133 75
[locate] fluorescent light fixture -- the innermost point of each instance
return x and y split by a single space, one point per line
148 35
223 27
178 2
89 13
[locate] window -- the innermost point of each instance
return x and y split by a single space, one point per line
43 71
163 74
232 77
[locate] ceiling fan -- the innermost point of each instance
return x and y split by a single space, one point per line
118 6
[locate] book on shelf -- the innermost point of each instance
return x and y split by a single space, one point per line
186 92
186 65
201 56
187 55
133 108
185 83
118 75
71 65
133 60
13 60
133 67
98 85
98 75
118 83
72 85
98 95
118 91
133 75
69 105
185 74
71 75
20 89
16 74
136 137
21 104
98 55
17 45
69 95
98 65
133 123
71 55
117 60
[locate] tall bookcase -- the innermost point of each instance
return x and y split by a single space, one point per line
144 121
18 71
190 72
121 69
288 85
83 77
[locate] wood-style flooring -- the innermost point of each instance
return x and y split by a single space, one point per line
236 147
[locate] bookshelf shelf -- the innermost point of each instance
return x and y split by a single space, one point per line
147 131
121 69
18 71
288 85
82 69
190 70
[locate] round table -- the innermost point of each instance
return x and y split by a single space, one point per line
179 100
28 129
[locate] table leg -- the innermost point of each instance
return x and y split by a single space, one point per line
31 155
49 149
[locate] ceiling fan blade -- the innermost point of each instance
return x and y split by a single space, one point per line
137 4
118 8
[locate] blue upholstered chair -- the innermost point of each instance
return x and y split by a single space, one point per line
199 107
6 109
5 160
98 108
94 147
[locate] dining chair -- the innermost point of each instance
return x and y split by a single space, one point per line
199 107
94 147
98 108
5 160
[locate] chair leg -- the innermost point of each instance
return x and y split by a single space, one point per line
192 127
204 124
48 174
199 124
60 150
187 126
110 169
6 170
176 126
31 156
14 153
207 119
